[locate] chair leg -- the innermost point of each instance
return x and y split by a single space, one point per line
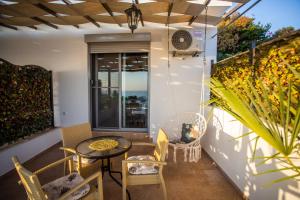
163 185
185 154
124 181
124 191
199 152
174 156
100 188
167 153
65 168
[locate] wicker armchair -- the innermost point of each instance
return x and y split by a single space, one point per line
72 186
146 169
71 136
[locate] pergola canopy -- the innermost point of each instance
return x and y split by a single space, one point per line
31 13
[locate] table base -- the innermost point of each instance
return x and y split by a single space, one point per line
107 168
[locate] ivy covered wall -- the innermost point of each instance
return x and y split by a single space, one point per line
25 101
273 64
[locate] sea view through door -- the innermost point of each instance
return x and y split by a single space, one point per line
119 91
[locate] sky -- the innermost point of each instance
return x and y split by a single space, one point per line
280 13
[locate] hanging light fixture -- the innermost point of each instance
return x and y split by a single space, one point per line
133 16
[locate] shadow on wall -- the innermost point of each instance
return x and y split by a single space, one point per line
234 157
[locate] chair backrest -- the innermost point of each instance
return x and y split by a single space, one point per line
72 135
30 182
161 146
201 124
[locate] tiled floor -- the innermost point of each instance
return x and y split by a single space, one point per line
184 181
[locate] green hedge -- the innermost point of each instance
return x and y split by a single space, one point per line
273 62
25 99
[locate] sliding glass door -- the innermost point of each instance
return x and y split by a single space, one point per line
134 90
119 91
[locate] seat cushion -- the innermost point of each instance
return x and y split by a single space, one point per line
142 168
83 160
58 187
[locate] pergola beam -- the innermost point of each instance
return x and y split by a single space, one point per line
46 9
32 27
142 20
8 26
110 12
92 20
44 22
233 10
50 11
236 18
33 18
87 17
193 18
170 8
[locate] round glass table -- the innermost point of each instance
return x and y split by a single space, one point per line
122 146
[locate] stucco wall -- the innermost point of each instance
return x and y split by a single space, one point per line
66 55
234 157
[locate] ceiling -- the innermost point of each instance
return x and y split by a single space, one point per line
32 13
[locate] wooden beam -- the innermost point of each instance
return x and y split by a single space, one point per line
44 22
169 11
46 9
8 26
110 12
34 18
142 20
92 20
50 11
8 19
233 10
193 18
32 27
87 17
236 18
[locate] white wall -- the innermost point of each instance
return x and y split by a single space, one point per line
66 57
233 156
65 53
182 94
27 149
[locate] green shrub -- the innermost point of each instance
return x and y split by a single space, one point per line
274 62
25 99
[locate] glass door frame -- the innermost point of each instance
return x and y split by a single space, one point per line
120 129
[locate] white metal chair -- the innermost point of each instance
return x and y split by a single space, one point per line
174 127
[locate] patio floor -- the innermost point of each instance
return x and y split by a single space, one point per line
184 181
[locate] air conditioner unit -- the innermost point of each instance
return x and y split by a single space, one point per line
185 42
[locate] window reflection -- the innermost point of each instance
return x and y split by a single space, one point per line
135 90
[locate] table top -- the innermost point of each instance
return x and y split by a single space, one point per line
123 146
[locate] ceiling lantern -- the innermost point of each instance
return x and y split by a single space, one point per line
133 16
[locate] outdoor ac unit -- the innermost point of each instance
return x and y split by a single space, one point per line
185 42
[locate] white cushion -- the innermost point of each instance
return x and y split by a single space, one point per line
83 160
58 187
142 168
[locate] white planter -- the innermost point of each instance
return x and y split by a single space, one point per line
27 149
